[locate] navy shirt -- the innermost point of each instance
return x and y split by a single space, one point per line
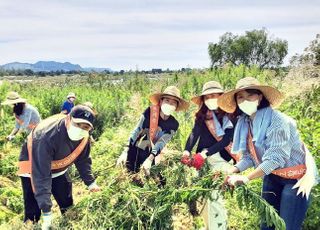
67 106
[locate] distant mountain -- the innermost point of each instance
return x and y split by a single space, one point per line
48 66
54 66
16 65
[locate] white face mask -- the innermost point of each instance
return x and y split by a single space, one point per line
249 107
76 133
211 103
167 109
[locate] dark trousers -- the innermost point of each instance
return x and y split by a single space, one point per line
61 191
135 159
278 192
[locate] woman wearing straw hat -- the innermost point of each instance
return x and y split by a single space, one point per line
69 103
154 130
269 141
27 116
213 131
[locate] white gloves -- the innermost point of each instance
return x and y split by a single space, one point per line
237 180
204 154
47 221
186 153
309 179
147 166
94 187
123 157
10 137
231 170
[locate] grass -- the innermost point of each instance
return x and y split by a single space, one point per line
121 204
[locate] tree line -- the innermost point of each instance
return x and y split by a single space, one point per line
259 48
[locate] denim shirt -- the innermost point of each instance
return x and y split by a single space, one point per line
281 147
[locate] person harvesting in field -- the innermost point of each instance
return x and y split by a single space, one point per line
27 116
212 132
270 142
55 144
68 104
154 130
90 105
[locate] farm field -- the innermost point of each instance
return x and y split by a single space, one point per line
119 101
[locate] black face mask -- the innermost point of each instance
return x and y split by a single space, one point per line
18 108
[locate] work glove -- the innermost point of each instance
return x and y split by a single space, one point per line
235 180
198 160
94 187
185 159
123 157
147 166
10 137
229 171
309 179
186 153
47 221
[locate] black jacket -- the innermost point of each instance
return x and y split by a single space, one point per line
207 141
51 142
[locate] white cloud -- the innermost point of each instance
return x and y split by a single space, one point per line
148 33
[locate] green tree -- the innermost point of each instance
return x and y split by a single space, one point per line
254 48
28 72
311 54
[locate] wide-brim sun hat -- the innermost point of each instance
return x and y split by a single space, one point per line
71 95
171 92
227 100
13 98
208 88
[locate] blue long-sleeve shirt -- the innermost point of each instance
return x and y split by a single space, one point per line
67 106
281 148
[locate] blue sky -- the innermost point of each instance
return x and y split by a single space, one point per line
144 34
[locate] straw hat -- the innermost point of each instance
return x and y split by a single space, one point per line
170 91
71 95
208 88
90 105
13 98
227 102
